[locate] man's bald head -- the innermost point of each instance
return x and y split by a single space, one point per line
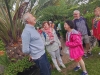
29 18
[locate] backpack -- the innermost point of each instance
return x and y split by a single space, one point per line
44 34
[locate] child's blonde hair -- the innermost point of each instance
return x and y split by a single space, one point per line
97 9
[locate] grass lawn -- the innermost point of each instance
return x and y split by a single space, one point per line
92 65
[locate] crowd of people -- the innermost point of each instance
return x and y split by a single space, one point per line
36 41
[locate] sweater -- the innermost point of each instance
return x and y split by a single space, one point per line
32 42
47 41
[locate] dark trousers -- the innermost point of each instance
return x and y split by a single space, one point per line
43 64
99 43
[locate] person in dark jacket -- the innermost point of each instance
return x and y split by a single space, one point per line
82 27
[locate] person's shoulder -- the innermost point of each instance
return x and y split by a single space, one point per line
25 34
83 18
26 30
75 33
73 20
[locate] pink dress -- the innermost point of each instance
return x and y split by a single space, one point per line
75 45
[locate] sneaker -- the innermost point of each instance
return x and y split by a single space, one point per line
99 53
90 54
59 70
83 73
77 68
85 56
63 66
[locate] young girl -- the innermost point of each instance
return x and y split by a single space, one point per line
96 25
75 46
53 45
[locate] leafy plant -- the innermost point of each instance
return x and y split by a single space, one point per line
89 17
63 31
11 25
2 46
3 56
19 66
4 60
53 12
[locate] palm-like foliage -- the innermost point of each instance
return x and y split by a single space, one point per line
41 4
11 25
59 11
10 19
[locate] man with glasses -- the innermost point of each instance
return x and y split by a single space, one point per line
82 27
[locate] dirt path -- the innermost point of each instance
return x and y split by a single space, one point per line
65 57
66 60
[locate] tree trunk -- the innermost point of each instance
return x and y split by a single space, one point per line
14 52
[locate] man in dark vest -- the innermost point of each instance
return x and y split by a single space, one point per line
82 27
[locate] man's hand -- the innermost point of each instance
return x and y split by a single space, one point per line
30 58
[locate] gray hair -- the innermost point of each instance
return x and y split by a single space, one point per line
76 11
25 17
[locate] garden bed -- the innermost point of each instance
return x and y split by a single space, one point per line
32 70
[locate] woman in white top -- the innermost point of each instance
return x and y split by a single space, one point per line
52 44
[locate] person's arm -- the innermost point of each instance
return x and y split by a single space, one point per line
25 42
76 42
98 29
58 41
45 40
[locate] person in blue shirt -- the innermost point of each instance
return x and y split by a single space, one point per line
33 44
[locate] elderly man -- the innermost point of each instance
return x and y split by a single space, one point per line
33 45
82 27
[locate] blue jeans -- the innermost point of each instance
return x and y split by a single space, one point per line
43 64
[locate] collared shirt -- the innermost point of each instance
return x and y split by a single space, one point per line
32 42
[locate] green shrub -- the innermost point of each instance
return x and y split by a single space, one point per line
4 60
63 31
2 46
19 66
89 17
49 58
